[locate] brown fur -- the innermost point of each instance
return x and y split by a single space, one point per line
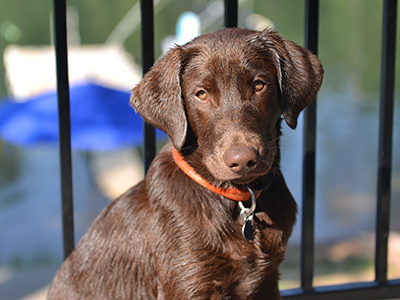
170 238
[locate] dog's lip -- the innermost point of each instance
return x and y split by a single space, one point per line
248 179
244 181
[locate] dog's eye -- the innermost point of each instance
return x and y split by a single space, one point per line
202 95
258 85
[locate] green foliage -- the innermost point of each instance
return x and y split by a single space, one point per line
350 31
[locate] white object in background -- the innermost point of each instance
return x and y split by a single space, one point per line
30 70
187 28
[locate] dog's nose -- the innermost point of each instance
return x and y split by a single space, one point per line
240 158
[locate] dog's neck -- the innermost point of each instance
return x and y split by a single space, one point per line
232 193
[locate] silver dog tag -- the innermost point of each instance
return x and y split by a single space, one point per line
247 214
248 229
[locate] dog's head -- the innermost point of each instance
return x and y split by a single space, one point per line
220 97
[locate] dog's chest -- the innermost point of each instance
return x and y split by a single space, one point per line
221 264
216 276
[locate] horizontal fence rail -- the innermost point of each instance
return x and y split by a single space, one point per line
381 288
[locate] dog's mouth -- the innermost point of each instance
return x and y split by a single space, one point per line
256 182
249 179
243 181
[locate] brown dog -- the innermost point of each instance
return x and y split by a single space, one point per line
192 229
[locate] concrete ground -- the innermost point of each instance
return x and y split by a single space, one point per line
29 284
33 283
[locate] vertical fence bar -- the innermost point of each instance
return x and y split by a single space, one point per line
309 145
385 138
60 41
147 17
231 13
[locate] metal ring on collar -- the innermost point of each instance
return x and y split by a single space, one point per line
248 211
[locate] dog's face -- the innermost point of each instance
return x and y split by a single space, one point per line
231 98
220 97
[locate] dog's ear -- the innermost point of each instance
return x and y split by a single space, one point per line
158 97
300 75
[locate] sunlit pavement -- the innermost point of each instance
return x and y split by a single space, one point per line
27 284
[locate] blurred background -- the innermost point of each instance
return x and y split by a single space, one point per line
105 59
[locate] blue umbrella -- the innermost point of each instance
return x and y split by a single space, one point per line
101 119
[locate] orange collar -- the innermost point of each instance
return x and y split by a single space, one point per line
230 193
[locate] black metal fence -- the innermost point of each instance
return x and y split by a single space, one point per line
381 287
